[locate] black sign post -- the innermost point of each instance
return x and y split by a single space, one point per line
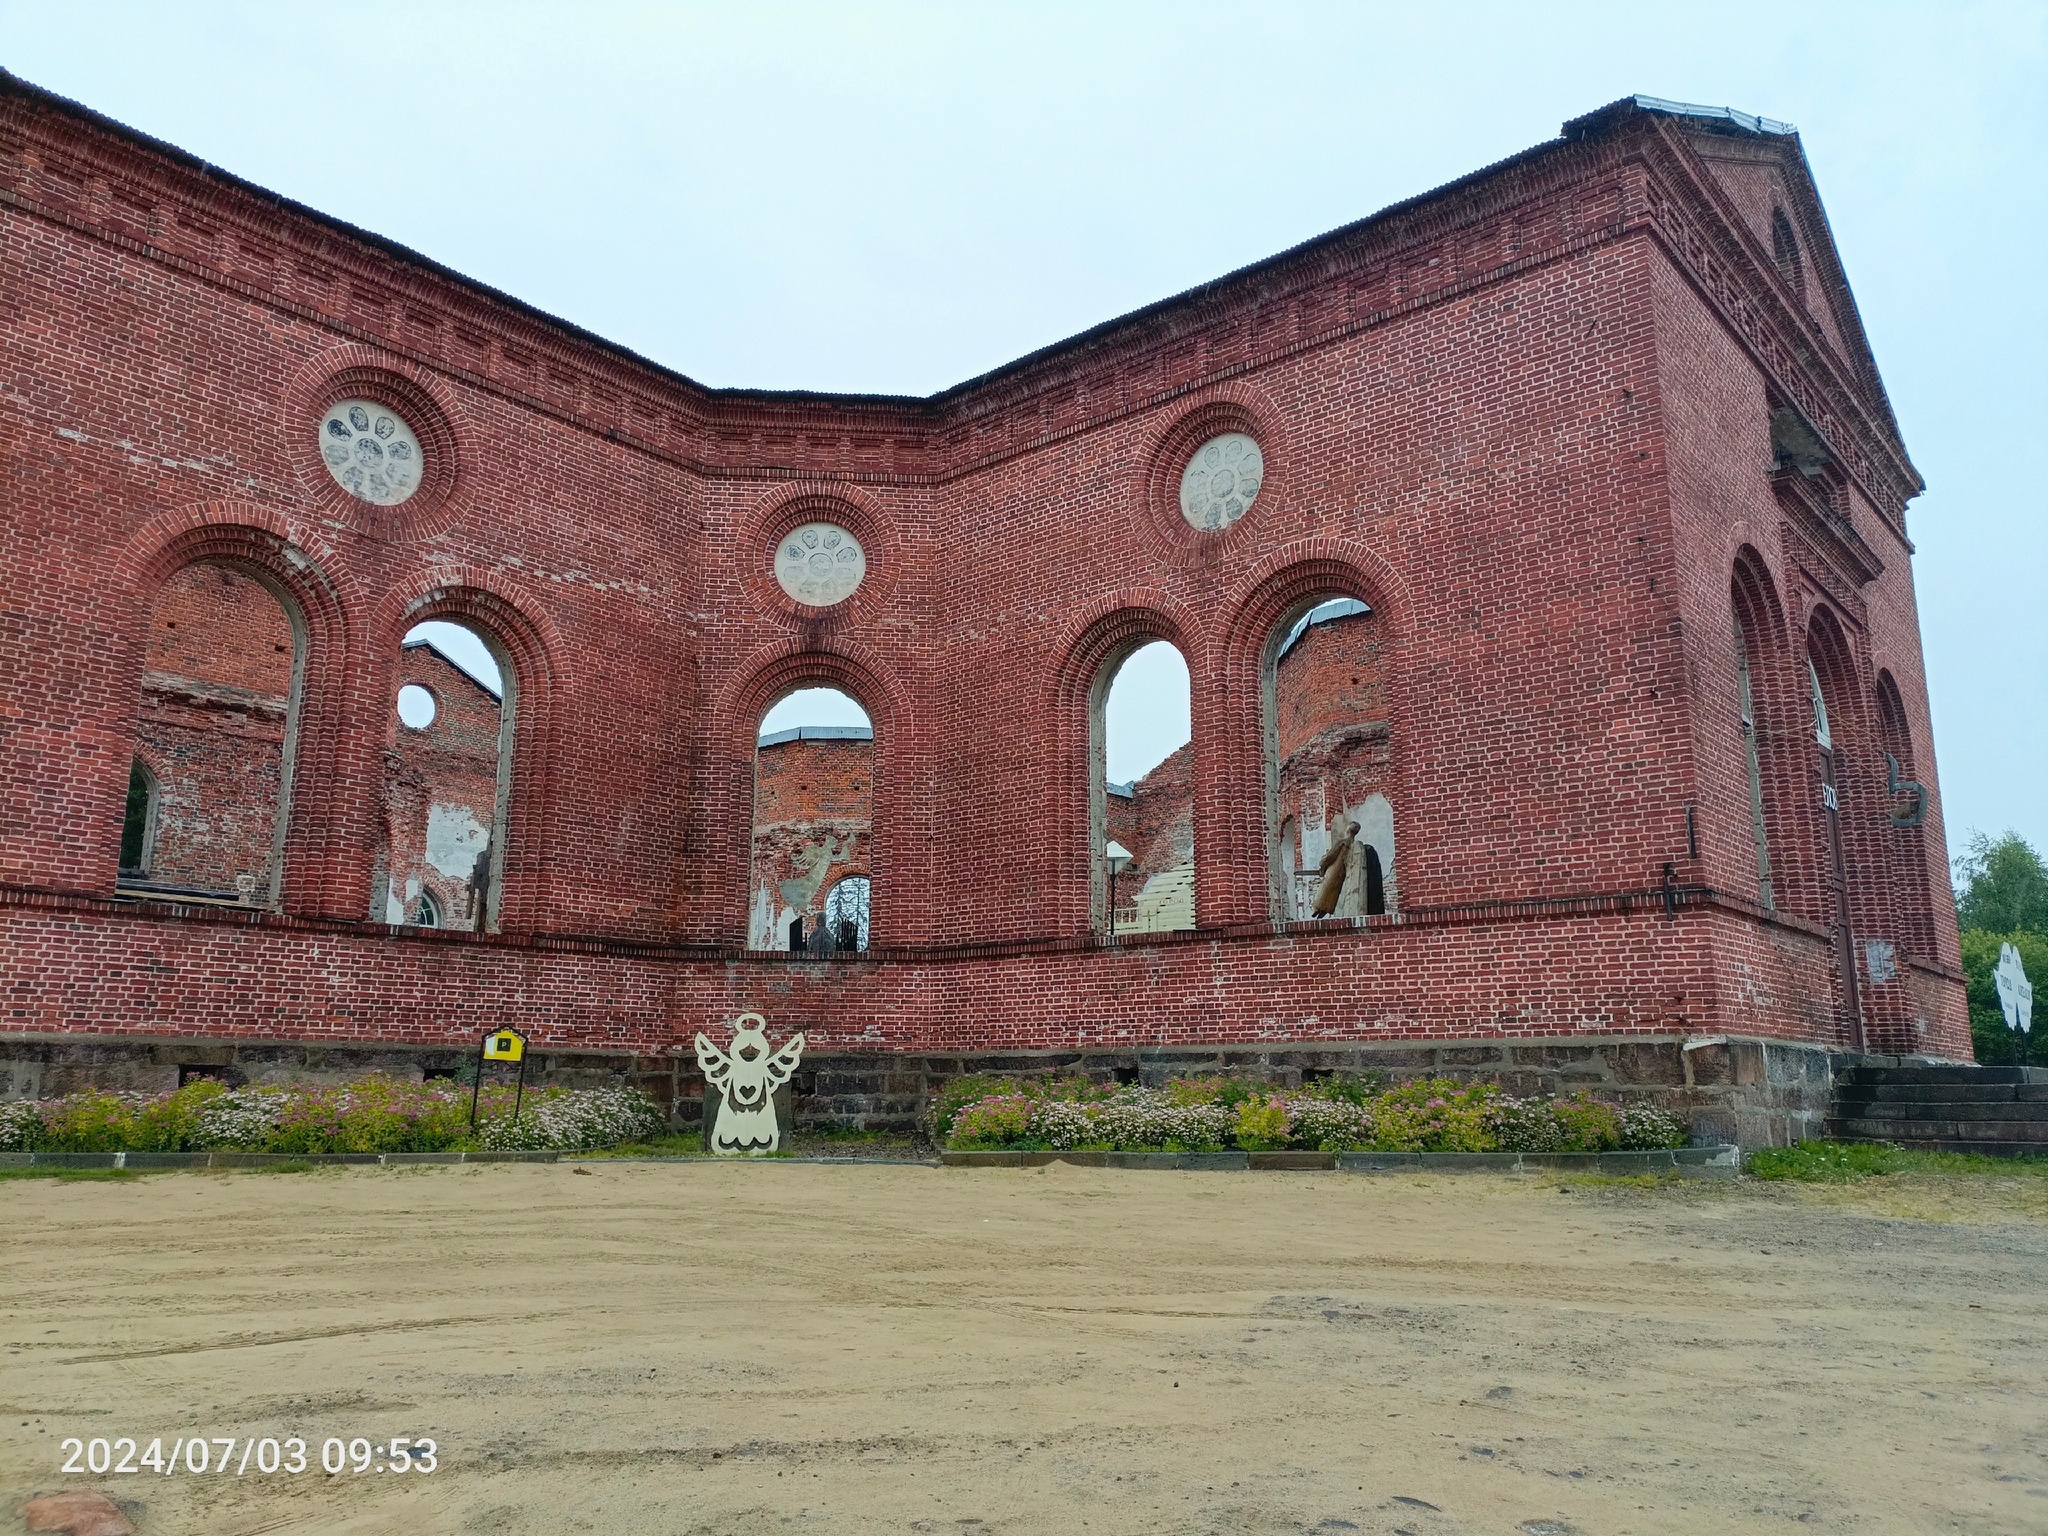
499 1045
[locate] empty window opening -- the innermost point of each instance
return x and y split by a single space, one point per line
138 827
207 793
846 913
447 781
416 706
1142 793
810 877
1745 701
1329 763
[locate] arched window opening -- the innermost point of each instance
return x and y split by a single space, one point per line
1824 664
1907 804
1329 763
809 879
1785 251
447 781
138 827
846 913
1142 793
1745 703
205 821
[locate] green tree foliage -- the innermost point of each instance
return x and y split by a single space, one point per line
1994 1042
2002 886
2002 898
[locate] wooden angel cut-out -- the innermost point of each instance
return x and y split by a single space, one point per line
746 1077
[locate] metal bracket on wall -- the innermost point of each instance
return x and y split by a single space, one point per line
1896 786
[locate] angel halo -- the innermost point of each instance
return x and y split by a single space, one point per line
746 1077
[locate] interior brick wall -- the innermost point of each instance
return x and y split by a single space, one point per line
813 799
1525 418
452 763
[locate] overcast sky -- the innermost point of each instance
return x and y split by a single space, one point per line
895 198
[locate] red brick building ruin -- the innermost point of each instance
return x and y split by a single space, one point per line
1582 463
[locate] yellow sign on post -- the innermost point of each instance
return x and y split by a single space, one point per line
505 1045
499 1045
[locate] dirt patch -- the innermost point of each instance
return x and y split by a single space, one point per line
700 1347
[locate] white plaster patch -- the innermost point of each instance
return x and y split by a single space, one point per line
820 564
454 838
371 452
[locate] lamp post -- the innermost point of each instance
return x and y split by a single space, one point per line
1119 860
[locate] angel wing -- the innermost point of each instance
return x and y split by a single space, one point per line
784 1061
716 1064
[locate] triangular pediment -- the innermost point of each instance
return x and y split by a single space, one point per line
1769 188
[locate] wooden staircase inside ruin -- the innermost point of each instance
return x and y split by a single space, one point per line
2002 1111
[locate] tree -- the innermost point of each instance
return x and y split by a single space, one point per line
1995 1044
2002 898
2001 886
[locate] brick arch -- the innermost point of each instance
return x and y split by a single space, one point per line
534 663
1101 638
1859 788
899 841
313 855
1778 698
1235 801
789 506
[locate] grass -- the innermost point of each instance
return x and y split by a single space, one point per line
75 1175
1838 1162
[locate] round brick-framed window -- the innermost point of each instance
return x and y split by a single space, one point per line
371 451
375 440
1216 471
1221 481
819 564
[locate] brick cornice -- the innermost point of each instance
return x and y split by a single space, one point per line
1583 192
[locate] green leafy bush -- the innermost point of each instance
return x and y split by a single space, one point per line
1435 1114
1262 1124
1336 1115
372 1115
1000 1120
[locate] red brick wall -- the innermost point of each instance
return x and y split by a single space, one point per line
1526 419
215 691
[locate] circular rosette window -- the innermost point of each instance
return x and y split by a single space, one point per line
819 564
1221 481
371 452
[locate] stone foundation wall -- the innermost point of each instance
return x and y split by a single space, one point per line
1751 1092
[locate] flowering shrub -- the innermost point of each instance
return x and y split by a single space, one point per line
947 1104
568 1121
1644 1129
999 1120
1333 1125
1338 1115
373 1115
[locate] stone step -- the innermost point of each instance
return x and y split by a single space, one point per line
1942 1093
2030 1136
1980 1148
1874 1076
1849 1108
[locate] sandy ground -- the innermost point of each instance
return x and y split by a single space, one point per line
680 1348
